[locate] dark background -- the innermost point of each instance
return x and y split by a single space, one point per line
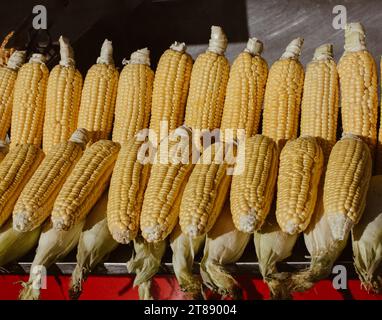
133 24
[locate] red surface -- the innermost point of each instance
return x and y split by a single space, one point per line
165 287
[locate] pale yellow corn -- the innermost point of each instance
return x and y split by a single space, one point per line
98 95
16 169
252 191
85 184
346 184
8 76
283 95
133 105
300 169
62 99
245 91
29 102
358 81
319 106
36 200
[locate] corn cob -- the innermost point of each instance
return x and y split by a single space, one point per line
36 200
252 191
99 95
85 184
367 239
319 106
245 91
133 105
8 76
300 169
127 186
224 245
16 169
62 99
346 184
283 95
53 245
94 245
205 191
358 81
171 84
5 53
14 244
131 175
29 102
208 83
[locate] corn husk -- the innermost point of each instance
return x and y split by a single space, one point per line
224 245
272 246
15 244
53 246
367 239
145 263
94 245
184 249
324 249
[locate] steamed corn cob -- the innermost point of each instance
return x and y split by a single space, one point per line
358 80
28 108
62 99
283 95
16 169
99 95
133 105
36 200
319 106
245 92
85 184
252 191
5 53
346 184
301 162
8 74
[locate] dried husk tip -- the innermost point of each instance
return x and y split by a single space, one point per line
184 249
218 41
66 53
179 47
355 37
106 55
254 46
293 50
16 60
323 52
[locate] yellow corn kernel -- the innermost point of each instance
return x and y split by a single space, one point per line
29 102
16 169
205 192
8 76
99 95
209 79
252 191
245 91
36 200
168 178
5 53
62 99
283 95
85 184
171 84
346 183
301 162
127 187
358 82
319 106
133 105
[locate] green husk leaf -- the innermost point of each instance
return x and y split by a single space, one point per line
224 245
184 249
145 263
94 245
272 246
367 239
53 245
14 244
